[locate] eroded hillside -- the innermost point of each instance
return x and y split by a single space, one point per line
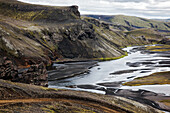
33 35
44 33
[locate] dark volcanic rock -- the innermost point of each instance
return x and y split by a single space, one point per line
111 84
35 74
70 69
137 64
7 70
165 41
124 71
142 96
91 87
164 62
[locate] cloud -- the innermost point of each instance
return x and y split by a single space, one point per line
137 1
142 8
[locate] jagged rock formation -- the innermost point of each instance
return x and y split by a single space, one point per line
35 74
7 70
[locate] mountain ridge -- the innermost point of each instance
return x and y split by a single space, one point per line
31 12
133 21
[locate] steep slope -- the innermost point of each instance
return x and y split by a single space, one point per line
115 37
19 10
32 36
46 33
132 21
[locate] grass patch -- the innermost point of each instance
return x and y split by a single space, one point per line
158 48
147 33
166 102
153 79
114 58
49 89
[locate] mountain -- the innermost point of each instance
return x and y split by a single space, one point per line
50 33
132 21
163 20
34 36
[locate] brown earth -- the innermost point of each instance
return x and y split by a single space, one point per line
17 97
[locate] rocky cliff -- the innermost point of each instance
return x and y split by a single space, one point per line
35 74
29 12
34 34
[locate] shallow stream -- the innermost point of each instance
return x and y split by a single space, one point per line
111 74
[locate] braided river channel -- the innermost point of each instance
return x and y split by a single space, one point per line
108 77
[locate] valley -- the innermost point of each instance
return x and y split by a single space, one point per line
53 59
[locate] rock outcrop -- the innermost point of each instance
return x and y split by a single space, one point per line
34 74
7 70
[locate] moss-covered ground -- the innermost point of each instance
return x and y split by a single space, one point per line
156 78
158 48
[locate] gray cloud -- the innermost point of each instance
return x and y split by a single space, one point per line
142 8
137 1
160 0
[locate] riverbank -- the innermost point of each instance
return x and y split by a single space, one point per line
68 69
107 77
18 97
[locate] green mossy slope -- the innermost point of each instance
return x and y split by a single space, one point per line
46 33
133 21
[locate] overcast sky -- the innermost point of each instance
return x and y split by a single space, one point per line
141 8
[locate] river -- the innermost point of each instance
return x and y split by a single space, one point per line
111 74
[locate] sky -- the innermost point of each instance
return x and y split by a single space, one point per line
154 9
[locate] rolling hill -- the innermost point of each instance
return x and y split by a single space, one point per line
132 21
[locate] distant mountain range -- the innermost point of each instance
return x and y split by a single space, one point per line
135 22
163 20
